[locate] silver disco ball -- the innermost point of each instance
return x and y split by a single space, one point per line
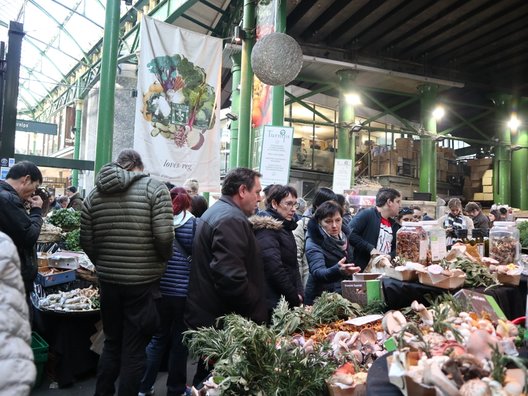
276 59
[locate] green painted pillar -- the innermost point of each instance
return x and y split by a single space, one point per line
502 161
235 110
246 83
277 101
427 175
519 160
105 120
77 147
346 140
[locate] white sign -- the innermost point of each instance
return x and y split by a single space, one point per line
276 155
342 175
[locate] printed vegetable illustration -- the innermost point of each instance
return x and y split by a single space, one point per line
180 104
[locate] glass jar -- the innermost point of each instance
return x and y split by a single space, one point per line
504 242
437 241
412 242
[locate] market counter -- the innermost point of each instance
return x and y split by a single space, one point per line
399 294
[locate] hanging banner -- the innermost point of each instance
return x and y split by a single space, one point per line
275 155
177 124
342 175
262 97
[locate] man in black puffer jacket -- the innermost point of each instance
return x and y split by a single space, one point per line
126 230
24 229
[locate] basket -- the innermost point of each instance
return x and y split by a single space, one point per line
40 353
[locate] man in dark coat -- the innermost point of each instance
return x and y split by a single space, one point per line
227 274
76 200
17 194
373 230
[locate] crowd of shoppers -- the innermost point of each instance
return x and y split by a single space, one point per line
166 262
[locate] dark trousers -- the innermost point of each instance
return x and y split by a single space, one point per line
170 334
130 318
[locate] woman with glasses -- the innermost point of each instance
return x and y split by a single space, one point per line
328 252
405 214
273 230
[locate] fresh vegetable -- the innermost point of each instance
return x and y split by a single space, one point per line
73 241
67 219
523 233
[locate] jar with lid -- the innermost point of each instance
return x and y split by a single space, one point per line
412 242
504 242
437 241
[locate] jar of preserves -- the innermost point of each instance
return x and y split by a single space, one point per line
437 241
504 242
412 242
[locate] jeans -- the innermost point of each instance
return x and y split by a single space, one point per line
130 318
170 334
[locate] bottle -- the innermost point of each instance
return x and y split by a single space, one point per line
504 242
412 242
437 240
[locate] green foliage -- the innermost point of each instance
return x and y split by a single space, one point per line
330 307
253 359
523 232
73 241
67 219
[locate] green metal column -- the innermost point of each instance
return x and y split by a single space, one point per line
76 148
427 175
346 140
105 120
246 83
519 160
235 110
502 161
277 98
10 94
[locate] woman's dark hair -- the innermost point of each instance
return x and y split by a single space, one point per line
278 193
239 177
405 211
327 209
198 205
322 195
386 194
181 201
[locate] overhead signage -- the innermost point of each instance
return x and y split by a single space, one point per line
275 155
36 127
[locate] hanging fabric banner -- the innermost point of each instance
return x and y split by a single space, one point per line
177 124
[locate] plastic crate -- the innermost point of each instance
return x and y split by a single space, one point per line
40 353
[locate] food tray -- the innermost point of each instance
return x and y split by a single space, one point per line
441 281
55 279
407 275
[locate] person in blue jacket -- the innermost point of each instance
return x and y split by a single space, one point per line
373 230
327 251
173 287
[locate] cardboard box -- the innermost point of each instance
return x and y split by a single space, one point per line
56 278
481 304
510 280
488 173
351 390
487 181
487 189
406 384
361 292
364 276
483 196
441 281
65 260
407 276
43 259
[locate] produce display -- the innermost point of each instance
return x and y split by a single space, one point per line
66 219
412 243
504 249
76 300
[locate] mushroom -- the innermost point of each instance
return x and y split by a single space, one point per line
433 375
393 321
424 313
475 387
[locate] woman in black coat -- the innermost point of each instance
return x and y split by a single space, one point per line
273 230
327 252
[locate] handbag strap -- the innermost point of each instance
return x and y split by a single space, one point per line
180 248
